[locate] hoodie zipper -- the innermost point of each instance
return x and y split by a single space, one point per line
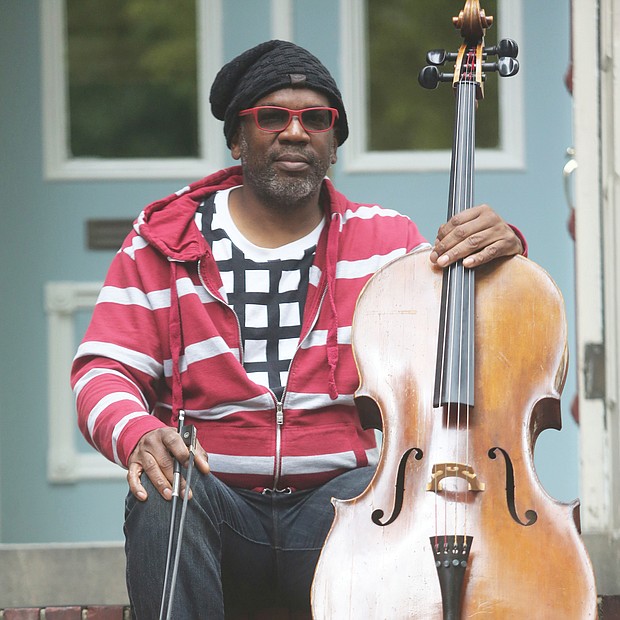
280 406
278 455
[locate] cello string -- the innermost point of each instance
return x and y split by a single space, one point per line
471 277
467 89
448 396
470 273
469 170
463 193
462 187
454 400
459 273
442 371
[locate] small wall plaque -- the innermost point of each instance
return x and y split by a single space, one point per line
107 234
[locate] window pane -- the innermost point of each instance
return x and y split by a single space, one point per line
403 115
132 78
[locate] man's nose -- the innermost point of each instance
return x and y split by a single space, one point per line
294 130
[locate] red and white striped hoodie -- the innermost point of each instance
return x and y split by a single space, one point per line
162 339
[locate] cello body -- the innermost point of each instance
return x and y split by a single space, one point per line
527 559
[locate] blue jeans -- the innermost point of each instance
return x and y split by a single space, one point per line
242 550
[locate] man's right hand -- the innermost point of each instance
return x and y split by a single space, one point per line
154 455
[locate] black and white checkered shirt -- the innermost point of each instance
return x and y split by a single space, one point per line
267 289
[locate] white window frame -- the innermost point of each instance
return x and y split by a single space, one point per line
58 162
282 19
357 157
66 463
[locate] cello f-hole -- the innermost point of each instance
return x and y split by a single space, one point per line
530 515
377 515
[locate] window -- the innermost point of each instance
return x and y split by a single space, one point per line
410 117
132 78
396 124
126 88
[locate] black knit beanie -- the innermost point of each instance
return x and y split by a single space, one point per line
267 67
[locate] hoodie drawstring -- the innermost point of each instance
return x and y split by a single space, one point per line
332 332
176 344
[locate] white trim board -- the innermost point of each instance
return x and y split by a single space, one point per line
65 462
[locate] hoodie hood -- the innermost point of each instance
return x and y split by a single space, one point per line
168 224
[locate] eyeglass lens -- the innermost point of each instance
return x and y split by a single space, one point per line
275 119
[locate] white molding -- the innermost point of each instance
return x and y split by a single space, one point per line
356 157
610 192
65 463
282 20
59 165
594 446
596 93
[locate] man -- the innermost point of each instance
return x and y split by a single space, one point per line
232 301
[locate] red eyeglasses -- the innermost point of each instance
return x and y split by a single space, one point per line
275 119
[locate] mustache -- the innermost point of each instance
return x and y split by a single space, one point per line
298 154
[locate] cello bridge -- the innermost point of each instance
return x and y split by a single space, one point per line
441 471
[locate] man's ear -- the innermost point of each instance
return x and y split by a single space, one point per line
334 157
235 150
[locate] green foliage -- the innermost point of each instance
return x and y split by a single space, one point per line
403 115
132 78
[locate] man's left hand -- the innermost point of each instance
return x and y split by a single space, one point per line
477 235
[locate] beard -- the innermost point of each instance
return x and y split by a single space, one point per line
277 189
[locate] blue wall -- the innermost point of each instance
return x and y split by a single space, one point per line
42 238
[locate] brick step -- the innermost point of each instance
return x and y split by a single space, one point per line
119 612
609 609
95 612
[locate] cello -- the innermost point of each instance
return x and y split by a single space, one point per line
461 370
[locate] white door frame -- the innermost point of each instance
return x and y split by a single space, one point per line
596 92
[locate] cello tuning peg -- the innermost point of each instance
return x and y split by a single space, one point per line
507 66
506 48
439 57
436 57
430 77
